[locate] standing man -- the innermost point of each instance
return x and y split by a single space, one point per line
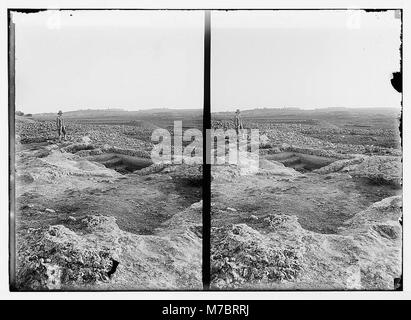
238 124
61 128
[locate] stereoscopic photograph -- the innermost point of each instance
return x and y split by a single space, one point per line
205 150
97 206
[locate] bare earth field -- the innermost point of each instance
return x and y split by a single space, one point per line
323 211
94 213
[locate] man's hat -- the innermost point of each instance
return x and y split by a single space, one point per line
238 111
60 112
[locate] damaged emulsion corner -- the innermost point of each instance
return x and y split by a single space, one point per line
396 81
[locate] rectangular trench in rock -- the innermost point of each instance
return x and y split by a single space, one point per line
301 162
121 163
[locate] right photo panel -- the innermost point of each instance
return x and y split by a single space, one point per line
306 159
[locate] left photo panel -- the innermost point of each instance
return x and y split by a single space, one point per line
106 120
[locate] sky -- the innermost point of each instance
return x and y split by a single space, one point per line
135 60
305 59
138 60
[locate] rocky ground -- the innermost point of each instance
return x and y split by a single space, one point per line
94 213
80 224
315 215
121 136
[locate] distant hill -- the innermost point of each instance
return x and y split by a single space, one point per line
110 113
286 112
23 119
